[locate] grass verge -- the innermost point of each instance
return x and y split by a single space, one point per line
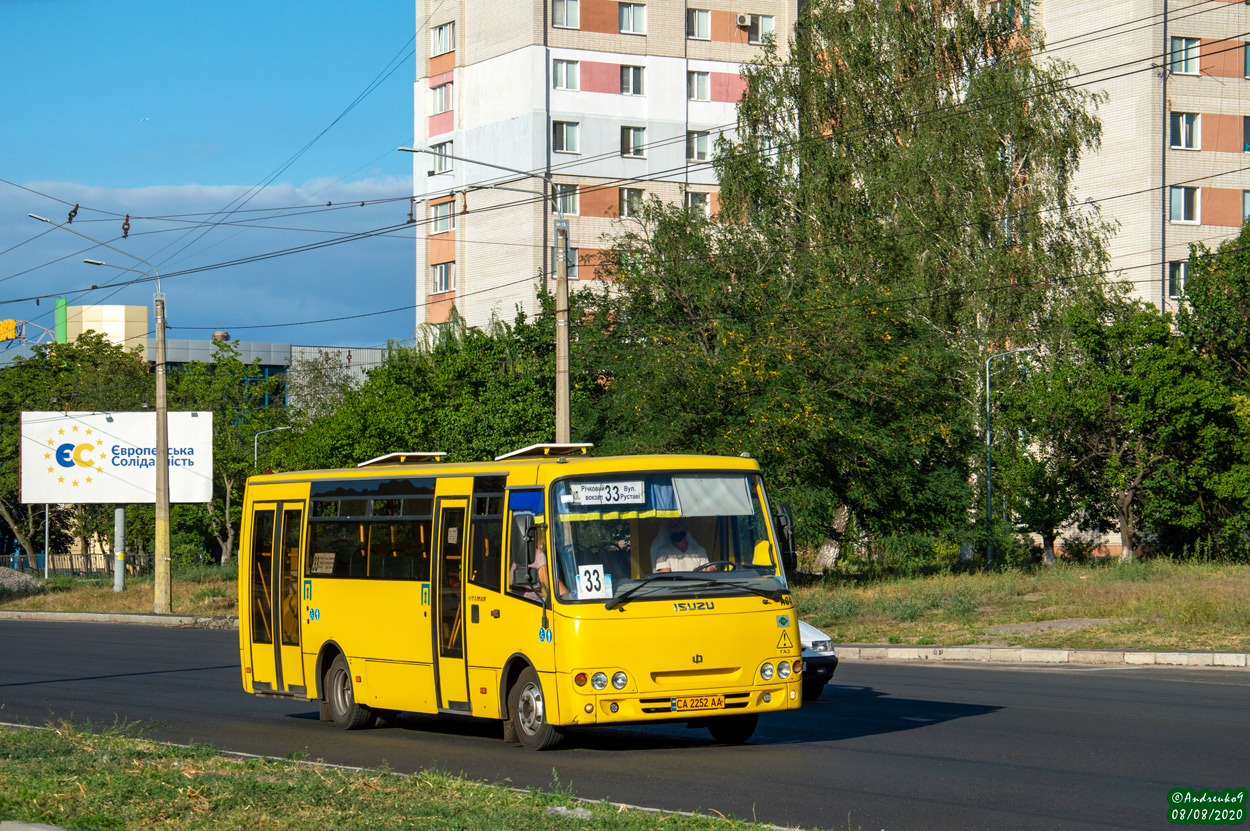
1158 604
85 779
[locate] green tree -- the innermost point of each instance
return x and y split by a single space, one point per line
472 394
244 401
714 340
1143 424
88 374
925 147
1215 320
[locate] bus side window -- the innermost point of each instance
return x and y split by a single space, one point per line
486 523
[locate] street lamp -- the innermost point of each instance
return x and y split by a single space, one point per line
163 577
989 505
563 418
256 443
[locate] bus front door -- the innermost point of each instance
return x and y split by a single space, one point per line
448 579
277 665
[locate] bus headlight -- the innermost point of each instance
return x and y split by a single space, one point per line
619 680
598 680
766 672
783 669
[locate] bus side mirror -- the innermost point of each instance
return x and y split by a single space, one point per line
785 530
526 579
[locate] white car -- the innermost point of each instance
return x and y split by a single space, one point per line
819 660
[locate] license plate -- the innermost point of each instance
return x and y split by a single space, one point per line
707 702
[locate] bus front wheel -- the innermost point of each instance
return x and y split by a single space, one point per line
528 712
732 729
344 711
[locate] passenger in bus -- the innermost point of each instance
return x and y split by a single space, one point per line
675 549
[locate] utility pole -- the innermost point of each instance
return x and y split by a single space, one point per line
563 413
563 416
163 575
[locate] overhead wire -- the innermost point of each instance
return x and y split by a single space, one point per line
385 231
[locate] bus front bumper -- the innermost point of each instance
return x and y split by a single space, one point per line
614 708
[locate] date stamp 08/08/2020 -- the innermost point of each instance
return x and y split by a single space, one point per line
1202 806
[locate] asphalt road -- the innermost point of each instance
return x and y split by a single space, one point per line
888 746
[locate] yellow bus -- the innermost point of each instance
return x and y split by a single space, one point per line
548 589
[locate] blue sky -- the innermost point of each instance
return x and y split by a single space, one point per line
220 128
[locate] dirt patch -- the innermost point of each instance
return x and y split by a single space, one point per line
1069 625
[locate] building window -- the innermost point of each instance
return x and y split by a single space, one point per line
697 145
565 74
444 275
699 86
566 197
631 80
442 39
630 202
699 24
1246 50
442 156
763 26
633 18
1185 55
564 14
1178 271
443 218
1184 204
1185 131
443 99
698 202
564 137
572 262
634 142
1245 205
1245 133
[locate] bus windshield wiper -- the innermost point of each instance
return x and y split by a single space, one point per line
772 594
650 578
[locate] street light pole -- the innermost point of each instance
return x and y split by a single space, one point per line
256 443
563 410
989 458
163 577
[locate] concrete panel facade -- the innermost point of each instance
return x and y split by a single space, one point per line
1118 47
504 112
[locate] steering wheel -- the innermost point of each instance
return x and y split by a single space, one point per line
725 565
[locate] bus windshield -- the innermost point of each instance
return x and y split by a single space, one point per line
707 530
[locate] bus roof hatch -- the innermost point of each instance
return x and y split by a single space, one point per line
404 458
580 449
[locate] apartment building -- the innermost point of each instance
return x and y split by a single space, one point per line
607 102
1174 167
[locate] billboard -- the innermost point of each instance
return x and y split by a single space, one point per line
110 458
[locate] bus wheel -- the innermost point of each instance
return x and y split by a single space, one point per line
344 711
732 729
528 711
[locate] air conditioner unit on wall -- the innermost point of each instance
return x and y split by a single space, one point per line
744 20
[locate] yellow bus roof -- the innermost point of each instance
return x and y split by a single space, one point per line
546 468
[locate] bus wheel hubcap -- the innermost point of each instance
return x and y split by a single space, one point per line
531 708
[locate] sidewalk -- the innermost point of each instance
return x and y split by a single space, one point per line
845 652
1031 655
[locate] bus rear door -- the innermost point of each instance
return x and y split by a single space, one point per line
275 598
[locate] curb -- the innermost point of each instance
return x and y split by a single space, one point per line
187 621
1026 655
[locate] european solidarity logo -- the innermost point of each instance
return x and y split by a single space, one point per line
75 458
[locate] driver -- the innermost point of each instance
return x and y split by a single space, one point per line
675 550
